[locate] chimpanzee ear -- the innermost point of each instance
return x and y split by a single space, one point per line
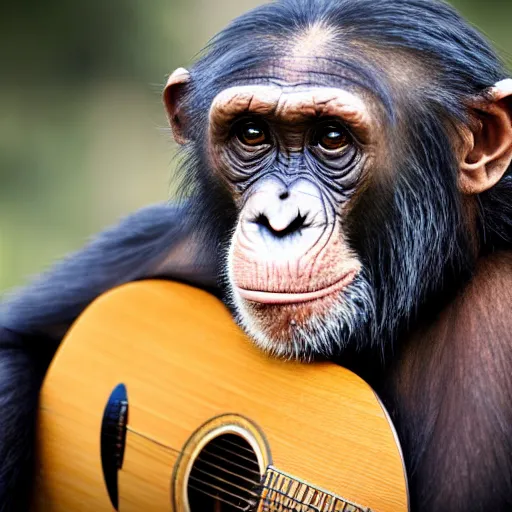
173 100
489 146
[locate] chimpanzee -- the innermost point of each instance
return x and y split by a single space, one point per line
347 190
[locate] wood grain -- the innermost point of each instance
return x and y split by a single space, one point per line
184 361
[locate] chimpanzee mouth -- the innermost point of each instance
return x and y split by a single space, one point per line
265 297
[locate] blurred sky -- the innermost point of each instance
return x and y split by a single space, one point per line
83 136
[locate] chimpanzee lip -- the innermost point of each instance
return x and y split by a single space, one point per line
265 297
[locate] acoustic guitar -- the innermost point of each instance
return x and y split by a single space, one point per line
156 401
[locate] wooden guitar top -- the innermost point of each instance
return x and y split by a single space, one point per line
185 363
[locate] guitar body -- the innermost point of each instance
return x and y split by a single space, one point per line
200 420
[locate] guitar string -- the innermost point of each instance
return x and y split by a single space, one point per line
231 452
232 462
292 501
284 495
213 475
236 445
225 491
232 484
221 468
266 501
227 502
180 452
253 482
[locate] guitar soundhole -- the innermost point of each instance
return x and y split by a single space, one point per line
225 476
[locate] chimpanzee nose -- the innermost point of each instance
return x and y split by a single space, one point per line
283 226
282 215
284 212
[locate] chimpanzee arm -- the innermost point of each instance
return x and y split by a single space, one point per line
158 241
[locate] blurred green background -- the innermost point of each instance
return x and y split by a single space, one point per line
83 136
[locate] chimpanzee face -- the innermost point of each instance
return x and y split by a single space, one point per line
351 192
293 157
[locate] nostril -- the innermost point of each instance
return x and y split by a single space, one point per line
284 195
262 220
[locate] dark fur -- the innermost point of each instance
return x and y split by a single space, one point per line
450 393
438 348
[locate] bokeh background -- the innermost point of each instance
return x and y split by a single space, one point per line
83 136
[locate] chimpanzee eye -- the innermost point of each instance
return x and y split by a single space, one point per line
251 133
332 137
